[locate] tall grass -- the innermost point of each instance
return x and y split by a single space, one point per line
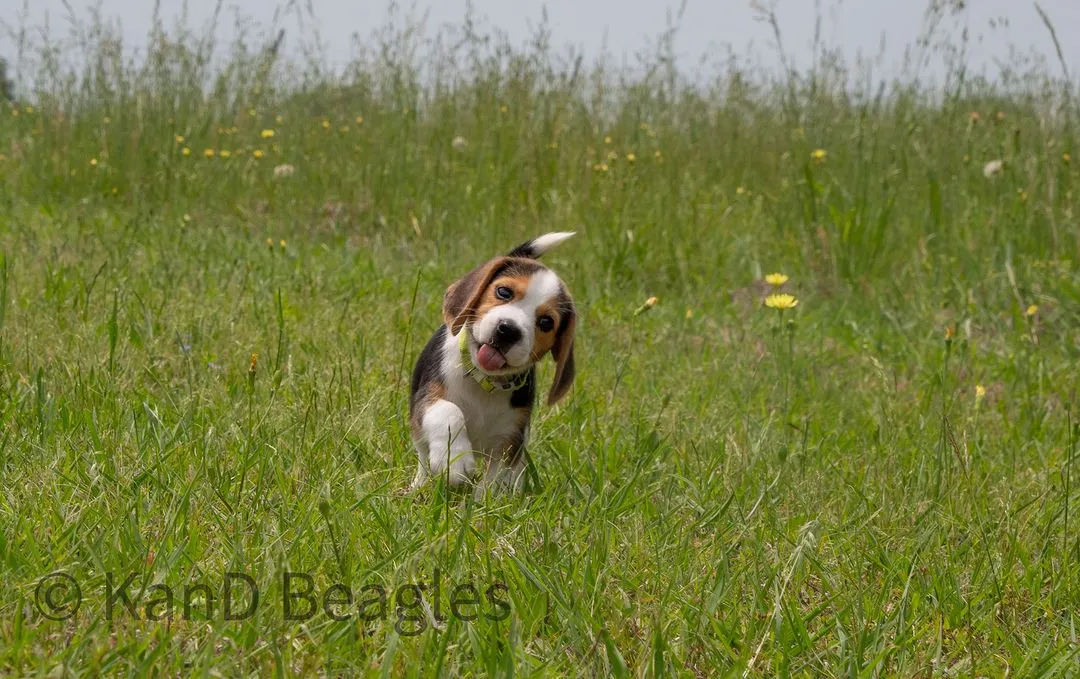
204 355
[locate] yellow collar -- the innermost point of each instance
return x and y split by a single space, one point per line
486 382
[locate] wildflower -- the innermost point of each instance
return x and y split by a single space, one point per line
93 162
612 155
281 243
326 124
185 151
553 145
740 190
649 303
689 314
1000 116
252 112
284 170
267 134
503 109
1032 310
251 369
776 279
209 153
607 140
631 157
258 153
993 168
657 154
179 139
279 119
225 153
950 333
782 302
459 143
186 217
270 243
980 393
819 155
974 117
1066 158
359 120
1022 195
29 109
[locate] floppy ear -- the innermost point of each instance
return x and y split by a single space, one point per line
463 296
563 353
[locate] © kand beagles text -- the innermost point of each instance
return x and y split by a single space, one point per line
237 597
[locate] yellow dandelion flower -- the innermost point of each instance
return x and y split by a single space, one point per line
225 153
974 116
980 393
279 119
266 134
819 155
603 167
657 154
185 151
1066 158
258 153
252 112
689 314
281 243
115 190
1032 310
631 157
326 124
93 162
359 120
782 302
179 139
343 129
607 140
741 190
187 217
209 153
503 109
29 109
1000 116
14 113
950 333
270 243
612 155
553 145
649 303
1022 195
776 279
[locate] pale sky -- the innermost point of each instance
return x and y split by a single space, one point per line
853 26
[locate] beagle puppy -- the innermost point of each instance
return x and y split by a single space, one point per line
474 384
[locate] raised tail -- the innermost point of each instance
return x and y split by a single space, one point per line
536 247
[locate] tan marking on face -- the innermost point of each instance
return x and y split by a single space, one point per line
543 341
518 283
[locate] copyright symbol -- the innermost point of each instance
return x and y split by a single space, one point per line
57 596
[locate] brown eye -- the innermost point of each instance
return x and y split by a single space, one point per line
504 293
545 323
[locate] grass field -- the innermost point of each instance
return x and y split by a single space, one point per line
204 362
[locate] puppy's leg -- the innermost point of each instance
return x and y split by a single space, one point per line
505 472
421 476
448 442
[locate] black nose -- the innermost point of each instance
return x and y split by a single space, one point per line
506 333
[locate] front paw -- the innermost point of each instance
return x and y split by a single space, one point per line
462 468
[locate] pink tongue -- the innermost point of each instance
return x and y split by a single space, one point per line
489 358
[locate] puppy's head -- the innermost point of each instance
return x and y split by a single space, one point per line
515 311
